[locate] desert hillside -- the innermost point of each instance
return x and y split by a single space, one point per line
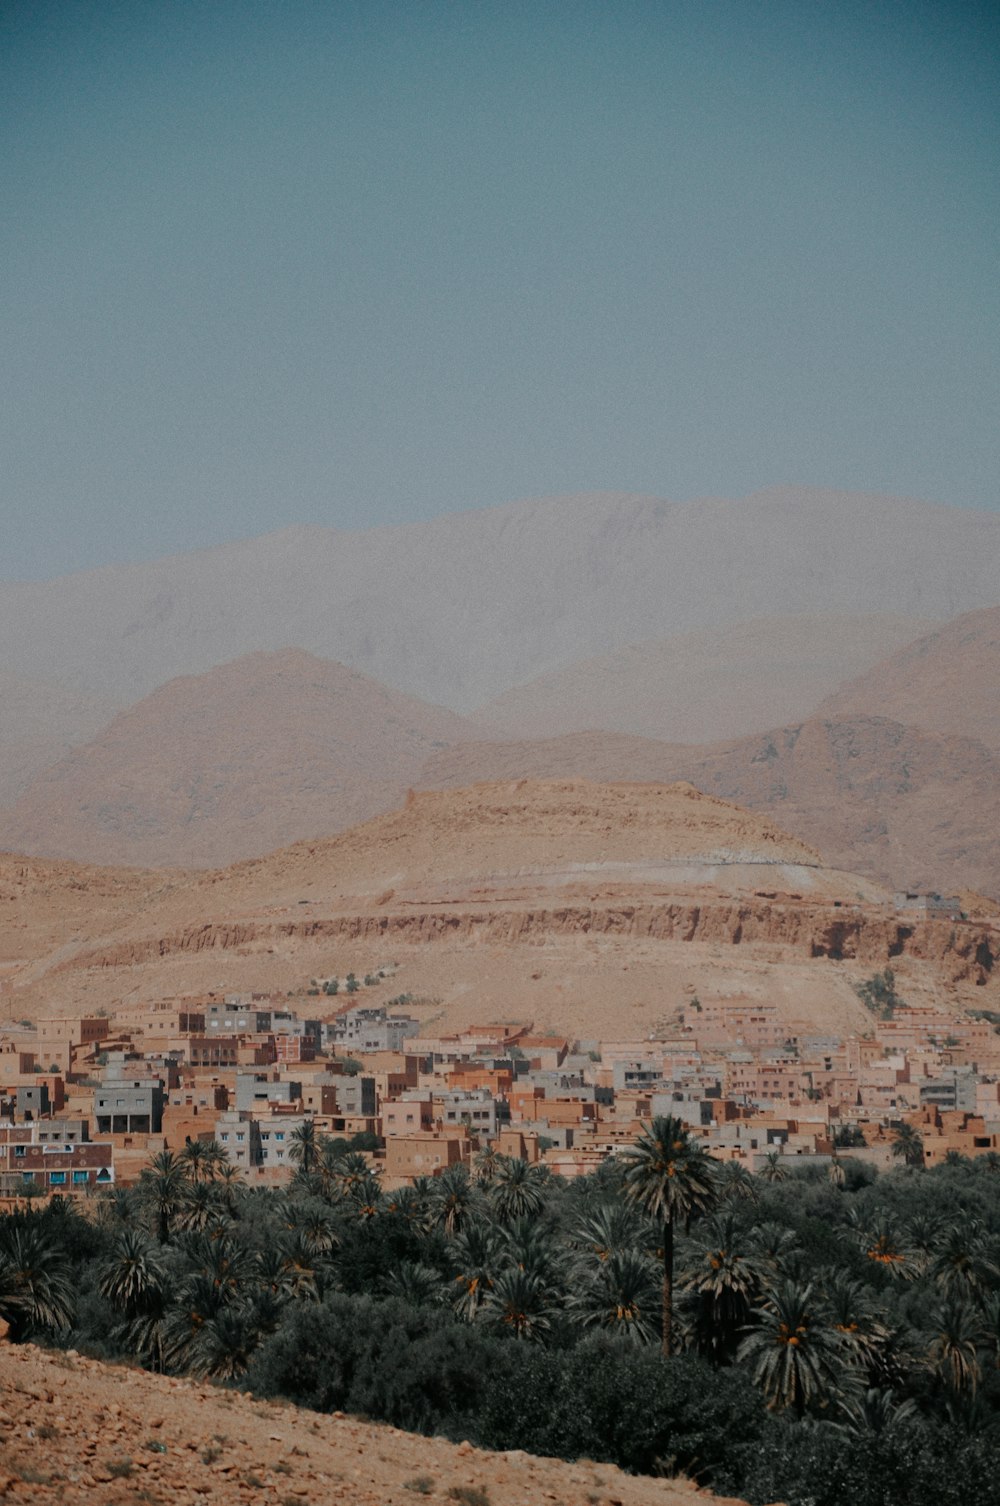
593 909
901 806
77 1432
704 686
947 681
230 763
461 608
39 724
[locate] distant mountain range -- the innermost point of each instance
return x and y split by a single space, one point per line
461 609
791 651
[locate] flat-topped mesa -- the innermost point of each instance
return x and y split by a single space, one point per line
545 834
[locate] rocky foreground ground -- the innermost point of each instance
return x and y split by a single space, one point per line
73 1430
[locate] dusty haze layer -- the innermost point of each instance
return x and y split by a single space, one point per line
462 608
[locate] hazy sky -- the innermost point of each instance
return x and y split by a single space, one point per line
356 262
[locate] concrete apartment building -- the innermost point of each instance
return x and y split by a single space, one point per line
370 1029
129 1106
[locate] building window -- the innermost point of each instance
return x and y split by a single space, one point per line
19 1150
79 1178
57 1178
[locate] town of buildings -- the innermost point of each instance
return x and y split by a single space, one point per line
85 1101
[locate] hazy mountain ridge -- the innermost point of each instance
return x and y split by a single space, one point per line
703 686
39 723
231 763
946 681
458 609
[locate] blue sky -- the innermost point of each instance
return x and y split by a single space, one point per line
356 263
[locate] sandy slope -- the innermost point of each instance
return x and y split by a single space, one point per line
79 1433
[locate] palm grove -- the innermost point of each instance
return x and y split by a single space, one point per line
800 1336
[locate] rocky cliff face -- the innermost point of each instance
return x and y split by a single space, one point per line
963 951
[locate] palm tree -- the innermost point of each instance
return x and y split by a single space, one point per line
963 1264
853 1314
882 1244
518 1303
214 1156
132 1275
231 1185
772 1169
118 1206
953 1350
198 1301
193 1155
200 1206
225 1344
796 1358
416 1284
611 1229
877 1411
518 1189
162 1185
134 1282
672 1178
486 1164
452 1198
36 1286
302 1146
734 1181
908 1145
777 1247
621 1294
475 1258
725 1276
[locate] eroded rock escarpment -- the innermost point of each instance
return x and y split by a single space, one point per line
963 950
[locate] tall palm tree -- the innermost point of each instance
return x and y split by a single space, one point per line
725 1275
883 1244
193 1155
611 1229
134 1282
795 1357
854 1316
908 1145
476 1258
964 1263
518 1189
453 1197
518 1303
416 1284
231 1185
622 1295
772 1168
734 1181
302 1146
36 1286
671 1177
200 1206
161 1186
955 1333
